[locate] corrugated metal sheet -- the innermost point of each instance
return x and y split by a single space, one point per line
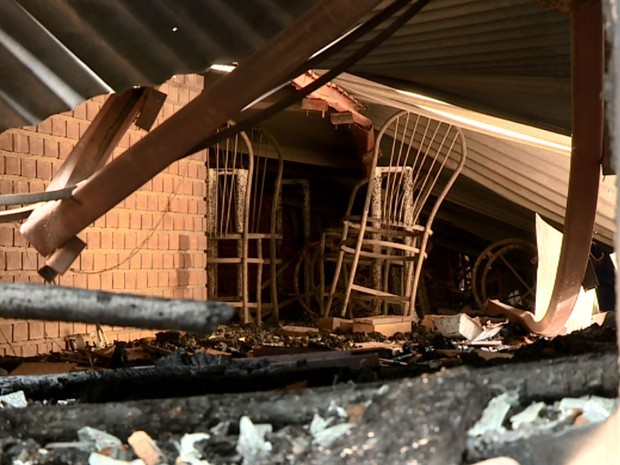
56 53
510 58
506 57
532 174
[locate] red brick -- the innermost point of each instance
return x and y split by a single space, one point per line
13 260
6 234
91 110
130 241
73 129
64 149
93 239
29 167
45 126
163 279
6 332
36 185
79 328
123 219
106 239
157 261
80 281
106 281
134 262
6 141
44 169
87 262
21 143
11 165
20 331
79 112
141 281
59 127
168 261
50 148
66 329
21 186
93 281
36 145
36 330
52 329
6 186
118 280
99 260
112 261
29 260
29 350
118 240
131 280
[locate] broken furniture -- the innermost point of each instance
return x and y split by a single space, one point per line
244 177
414 164
506 270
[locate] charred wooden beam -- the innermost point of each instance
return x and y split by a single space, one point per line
40 302
266 69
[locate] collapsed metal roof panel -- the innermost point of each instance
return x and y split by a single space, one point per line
510 58
57 53
525 166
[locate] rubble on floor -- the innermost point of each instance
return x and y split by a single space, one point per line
306 394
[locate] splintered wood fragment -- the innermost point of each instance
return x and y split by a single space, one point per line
343 117
330 323
39 302
386 325
295 331
314 105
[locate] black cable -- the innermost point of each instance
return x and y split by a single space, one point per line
262 115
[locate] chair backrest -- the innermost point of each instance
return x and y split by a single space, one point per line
243 172
416 160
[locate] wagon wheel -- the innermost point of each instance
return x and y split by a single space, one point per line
506 270
307 277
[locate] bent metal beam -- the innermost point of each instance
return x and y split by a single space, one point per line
50 226
587 150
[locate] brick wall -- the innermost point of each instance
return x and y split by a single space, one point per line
153 243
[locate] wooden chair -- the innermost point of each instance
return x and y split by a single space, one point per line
244 178
415 163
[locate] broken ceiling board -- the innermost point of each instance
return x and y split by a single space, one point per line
386 325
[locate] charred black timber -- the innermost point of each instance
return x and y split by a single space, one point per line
450 401
180 375
55 303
